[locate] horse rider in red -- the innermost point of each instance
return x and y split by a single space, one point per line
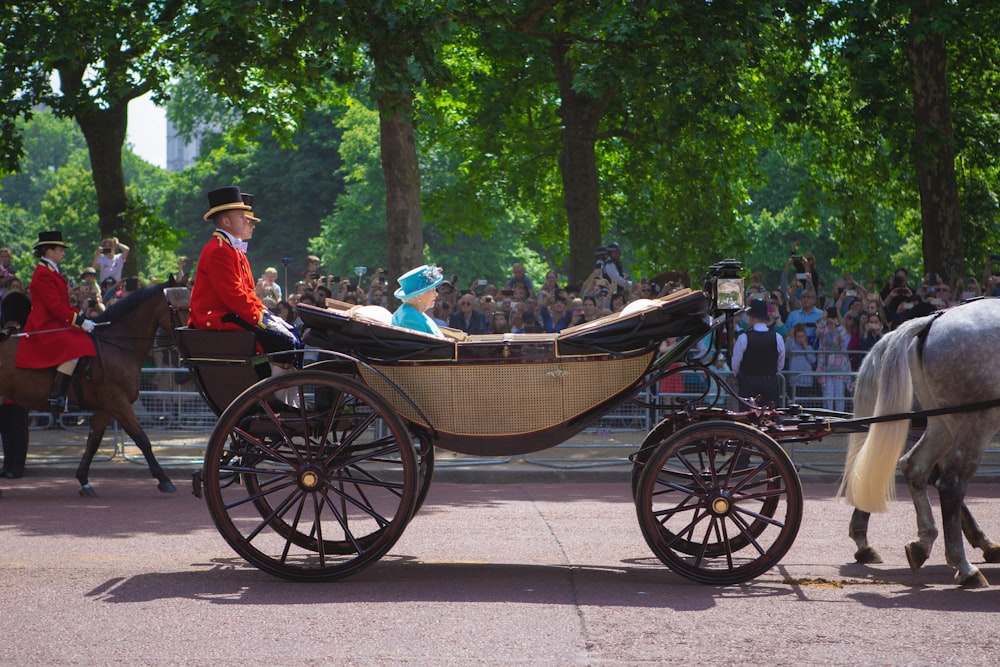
56 334
223 294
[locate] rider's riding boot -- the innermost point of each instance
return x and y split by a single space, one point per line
57 397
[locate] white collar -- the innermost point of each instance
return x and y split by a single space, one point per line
52 265
236 243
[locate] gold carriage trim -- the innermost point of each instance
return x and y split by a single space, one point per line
505 398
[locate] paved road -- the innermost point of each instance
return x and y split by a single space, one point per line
491 574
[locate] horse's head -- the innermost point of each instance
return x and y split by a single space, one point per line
142 312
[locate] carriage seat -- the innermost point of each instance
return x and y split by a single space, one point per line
642 324
179 303
363 331
224 363
383 316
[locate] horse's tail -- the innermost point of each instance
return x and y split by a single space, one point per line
884 386
865 393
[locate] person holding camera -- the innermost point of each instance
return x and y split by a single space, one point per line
613 271
267 285
991 276
871 329
7 270
109 260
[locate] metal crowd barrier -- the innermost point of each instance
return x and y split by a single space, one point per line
179 423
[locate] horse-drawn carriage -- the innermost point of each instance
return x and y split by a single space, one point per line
314 474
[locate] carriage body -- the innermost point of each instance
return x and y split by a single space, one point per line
572 378
312 475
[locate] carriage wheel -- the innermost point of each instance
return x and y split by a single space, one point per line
659 433
310 476
425 463
719 502
767 509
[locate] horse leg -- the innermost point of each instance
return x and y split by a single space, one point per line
977 538
98 425
916 472
132 428
858 531
951 489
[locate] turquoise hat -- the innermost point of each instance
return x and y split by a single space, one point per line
418 281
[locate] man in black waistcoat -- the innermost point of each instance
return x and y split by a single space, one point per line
758 357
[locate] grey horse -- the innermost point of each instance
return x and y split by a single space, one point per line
944 363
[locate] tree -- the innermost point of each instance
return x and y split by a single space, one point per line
316 51
593 103
104 55
914 81
354 234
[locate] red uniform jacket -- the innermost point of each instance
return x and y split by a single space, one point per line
223 285
50 309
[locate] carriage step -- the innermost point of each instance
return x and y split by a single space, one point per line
196 483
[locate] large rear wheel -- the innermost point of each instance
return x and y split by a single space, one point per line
719 502
311 475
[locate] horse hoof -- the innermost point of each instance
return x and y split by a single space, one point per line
867 556
88 491
991 554
973 580
916 555
166 486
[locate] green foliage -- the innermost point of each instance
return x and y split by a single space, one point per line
294 187
53 143
354 233
727 129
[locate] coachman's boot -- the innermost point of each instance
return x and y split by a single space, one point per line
57 397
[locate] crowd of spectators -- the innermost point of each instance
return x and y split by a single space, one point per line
830 326
514 304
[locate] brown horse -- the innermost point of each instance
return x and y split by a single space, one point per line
107 384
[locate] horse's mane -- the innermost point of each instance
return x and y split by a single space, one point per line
121 309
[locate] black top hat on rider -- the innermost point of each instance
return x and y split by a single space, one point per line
47 240
248 200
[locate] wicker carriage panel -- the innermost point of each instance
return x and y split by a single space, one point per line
505 398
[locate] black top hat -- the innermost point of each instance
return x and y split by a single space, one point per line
49 238
248 200
225 199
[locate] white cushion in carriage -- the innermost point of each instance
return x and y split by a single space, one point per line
640 305
374 313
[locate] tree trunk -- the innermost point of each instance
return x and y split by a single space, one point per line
581 116
934 148
403 224
104 131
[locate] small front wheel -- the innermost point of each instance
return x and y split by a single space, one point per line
719 502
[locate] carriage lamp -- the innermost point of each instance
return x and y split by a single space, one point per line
729 285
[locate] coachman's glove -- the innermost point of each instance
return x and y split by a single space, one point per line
279 326
84 323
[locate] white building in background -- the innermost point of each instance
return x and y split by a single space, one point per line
182 154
